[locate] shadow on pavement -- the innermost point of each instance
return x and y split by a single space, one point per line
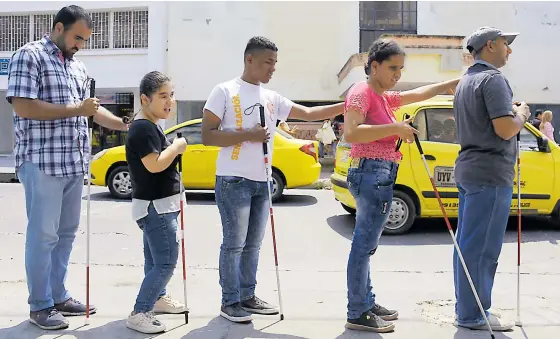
463 333
351 334
434 231
114 329
219 328
208 198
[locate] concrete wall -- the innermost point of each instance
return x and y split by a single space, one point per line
532 68
207 40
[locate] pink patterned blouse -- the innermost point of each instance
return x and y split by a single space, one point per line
548 131
377 110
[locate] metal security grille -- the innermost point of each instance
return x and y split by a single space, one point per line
120 30
14 32
385 17
100 33
42 24
130 29
140 32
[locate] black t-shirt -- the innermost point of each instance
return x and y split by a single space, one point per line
145 137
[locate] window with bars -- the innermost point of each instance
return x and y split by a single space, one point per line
130 29
14 31
42 25
119 30
99 38
385 17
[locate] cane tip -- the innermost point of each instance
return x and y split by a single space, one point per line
518 323
87 321
493 337
281 317
187 317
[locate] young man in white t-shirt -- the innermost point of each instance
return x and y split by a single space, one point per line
231 121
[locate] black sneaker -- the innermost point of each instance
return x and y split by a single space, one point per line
370 322
236 313
384 313
48 319
256 305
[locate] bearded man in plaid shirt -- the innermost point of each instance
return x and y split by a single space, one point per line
47 88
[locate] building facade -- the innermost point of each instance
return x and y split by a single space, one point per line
321 47
125 45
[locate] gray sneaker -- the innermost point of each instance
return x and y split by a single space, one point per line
370 322
74 307
384 313
236 313
48 319
256 305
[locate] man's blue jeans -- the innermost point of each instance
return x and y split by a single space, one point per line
483 217
161 250
53 207
371 184
243 206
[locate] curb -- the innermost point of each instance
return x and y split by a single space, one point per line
321 184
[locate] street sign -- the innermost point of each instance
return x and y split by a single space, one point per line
4 66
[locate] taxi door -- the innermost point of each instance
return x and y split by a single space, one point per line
438 137
537 176
199 161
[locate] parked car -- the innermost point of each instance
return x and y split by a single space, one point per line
294 163
413 194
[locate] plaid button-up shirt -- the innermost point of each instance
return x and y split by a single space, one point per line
39 71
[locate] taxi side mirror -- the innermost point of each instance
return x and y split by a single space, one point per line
542 143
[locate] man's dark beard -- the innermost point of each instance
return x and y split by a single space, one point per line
62 46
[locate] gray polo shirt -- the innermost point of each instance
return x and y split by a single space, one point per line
483 94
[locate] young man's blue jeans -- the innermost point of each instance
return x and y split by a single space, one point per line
161 250
53 207
243 206
483 217
371 184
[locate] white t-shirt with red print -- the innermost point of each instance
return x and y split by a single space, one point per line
236 103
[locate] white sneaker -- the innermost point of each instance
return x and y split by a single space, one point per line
497 324
169 306
145 323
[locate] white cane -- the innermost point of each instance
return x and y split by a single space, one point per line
90 131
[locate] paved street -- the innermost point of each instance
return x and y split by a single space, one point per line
412 273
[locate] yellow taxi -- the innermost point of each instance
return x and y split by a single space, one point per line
414 196
294 163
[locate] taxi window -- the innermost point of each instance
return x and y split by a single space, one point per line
528 141
436 125
192 133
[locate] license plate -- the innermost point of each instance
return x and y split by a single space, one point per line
444 176
344 157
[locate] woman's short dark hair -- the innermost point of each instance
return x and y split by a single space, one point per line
68 15
381 50
151 82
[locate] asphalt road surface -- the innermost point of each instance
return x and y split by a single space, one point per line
412 273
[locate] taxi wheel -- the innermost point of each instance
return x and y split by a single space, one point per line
119 183
277 186
401 215
349 209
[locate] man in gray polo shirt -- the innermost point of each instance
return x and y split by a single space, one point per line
487 123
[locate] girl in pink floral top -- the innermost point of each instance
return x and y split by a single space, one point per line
370 126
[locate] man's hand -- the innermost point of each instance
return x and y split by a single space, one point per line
258 134
179 145
88 107
522 109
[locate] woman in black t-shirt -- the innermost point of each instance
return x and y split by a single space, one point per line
152 162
